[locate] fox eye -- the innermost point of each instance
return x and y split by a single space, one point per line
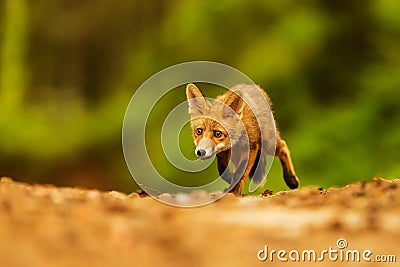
217 134
199 131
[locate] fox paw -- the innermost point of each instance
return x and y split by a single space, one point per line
292 181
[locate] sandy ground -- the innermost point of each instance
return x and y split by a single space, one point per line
51 226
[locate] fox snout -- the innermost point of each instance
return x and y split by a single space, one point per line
205 149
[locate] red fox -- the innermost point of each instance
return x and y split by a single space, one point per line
238 122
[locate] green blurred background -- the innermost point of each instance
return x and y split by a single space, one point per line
68 69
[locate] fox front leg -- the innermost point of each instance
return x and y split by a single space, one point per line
223 163
239 179
236 182
233 179
258 171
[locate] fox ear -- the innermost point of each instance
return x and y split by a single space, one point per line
236 103
197 102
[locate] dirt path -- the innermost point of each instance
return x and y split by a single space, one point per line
50 226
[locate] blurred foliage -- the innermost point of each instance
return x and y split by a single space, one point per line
68 69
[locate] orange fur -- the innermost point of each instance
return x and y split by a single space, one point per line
238 121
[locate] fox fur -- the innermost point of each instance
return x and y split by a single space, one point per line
239 129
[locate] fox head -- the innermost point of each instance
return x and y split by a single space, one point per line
216 125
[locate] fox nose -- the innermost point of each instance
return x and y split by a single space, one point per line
201 152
